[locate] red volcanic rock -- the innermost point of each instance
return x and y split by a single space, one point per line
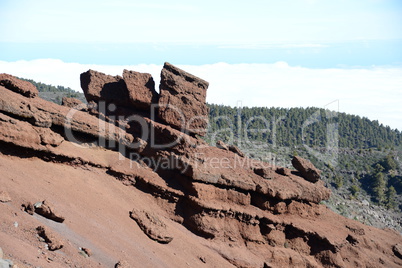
98 86
141 89
221 145
50 238
236 150
46 210
283 171
135 90
182 101
70 102
306 169
152 225
4 197
22 87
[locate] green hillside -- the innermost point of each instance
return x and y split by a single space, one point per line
359 158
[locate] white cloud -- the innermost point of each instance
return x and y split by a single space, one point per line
375 93
273 46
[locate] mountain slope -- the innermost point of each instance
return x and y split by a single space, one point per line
234 210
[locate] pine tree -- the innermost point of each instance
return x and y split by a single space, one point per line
379 184
391 193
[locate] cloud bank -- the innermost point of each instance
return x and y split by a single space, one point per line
374 92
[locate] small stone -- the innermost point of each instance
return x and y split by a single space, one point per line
1 254
4 197
15 224
87 251
122 264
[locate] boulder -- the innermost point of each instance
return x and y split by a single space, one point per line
182 101
236 150
49 137
98 86
50 238
17 85
152 225
4 197
221 145
45 209
283 171
28 208
141 89
71 102
307 170
134 90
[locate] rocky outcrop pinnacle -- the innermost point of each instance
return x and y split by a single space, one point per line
182 101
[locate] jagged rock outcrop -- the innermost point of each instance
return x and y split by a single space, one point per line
17 85
182 101
306 169
134 89
141 89
253 213
98 86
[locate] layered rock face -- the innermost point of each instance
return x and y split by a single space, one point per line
247 212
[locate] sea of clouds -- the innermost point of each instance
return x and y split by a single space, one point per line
374 92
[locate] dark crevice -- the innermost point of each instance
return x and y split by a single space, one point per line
316 243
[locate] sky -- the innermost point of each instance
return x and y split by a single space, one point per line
289 53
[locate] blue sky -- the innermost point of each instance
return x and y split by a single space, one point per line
346 49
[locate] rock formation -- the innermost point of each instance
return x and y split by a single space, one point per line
141 89
182 101
152 225
306 169
71 102
134 89
46 210
51 239
222 209
23 87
